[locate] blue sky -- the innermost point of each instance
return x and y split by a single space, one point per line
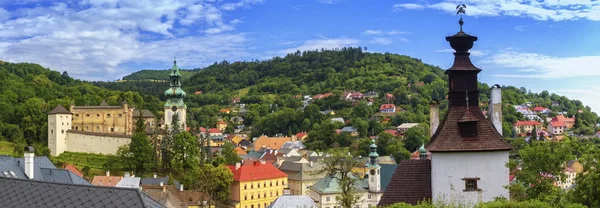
541 45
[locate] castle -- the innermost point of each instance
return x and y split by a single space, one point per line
103 129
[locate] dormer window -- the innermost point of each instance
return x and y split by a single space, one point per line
468 128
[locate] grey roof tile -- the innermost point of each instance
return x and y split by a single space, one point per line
293 201
30 193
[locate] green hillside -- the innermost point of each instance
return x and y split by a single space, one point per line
149 74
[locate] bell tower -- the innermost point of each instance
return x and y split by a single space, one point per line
374 169
175 95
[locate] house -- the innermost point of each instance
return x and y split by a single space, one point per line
198 92
236 120
217 140
235 100
350 130
569 122
393 132
225 110
155 180
175 196
328 112
556 127
387 108
106 180
370 101
405 126
293 201
215 132
368 189
321 96
236 138
274 143
555 103
524 109
370 94
523 128
301 175
464 142
575 165
256 184
569 181
129 181
73 169
389 96
339 119
297 145
36 168
240 151
221 125
301 136
354 95
542 110
34 193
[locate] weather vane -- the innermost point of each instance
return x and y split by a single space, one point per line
460 9
467 98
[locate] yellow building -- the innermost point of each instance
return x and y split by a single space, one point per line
108 119
221 125
256 184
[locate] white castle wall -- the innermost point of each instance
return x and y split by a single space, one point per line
78 141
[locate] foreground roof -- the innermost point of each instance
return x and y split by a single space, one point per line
410 183
292 201
30 193
43 170
449 139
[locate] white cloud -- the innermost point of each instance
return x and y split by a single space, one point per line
540 10
473 52
317 44
588 96
396 32
542 66
372 32
381 41
330 1
520 27
242 3
399 7
94 39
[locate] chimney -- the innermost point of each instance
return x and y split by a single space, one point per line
154 175
162 183
163 187
434 116
29 153
108 173
127 175
495 108
180 187
311 163
238 165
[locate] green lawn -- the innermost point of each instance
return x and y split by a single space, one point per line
6 148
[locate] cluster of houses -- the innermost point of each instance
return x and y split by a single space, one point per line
553 130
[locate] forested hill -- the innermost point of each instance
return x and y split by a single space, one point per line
147 74
29 91
279 80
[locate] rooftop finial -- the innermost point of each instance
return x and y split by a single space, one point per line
175 59
467 98
460 9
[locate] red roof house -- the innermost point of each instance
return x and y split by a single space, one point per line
255 171
387 108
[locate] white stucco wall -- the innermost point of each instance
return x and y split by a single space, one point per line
448 170
95 144
58 124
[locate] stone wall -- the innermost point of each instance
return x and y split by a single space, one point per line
100 143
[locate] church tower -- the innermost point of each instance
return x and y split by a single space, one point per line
374 169
468 155
59 122
175 95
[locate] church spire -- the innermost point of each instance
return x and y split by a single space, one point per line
373 155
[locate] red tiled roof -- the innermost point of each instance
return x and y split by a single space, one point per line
270 142
386 106
410 183
539 108
255 171
74 169
393 132
449 139
214 131
301 135
221 122
527 123
558 123
106 180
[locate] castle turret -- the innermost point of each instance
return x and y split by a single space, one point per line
59 122
175 95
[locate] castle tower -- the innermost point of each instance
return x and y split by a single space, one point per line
59 122
175 95
468 155
374 169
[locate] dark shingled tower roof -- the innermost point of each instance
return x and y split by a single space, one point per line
411 183
59 109
464 128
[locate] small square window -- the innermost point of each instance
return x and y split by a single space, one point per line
120 115
108 115
97 115
76 115
62 131
471 184
87 115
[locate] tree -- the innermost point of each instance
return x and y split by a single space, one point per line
339 166
20 145
540 161
125 156
415 137
166 151
212 180
228 153
587 191
140 148
361 126
185 151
